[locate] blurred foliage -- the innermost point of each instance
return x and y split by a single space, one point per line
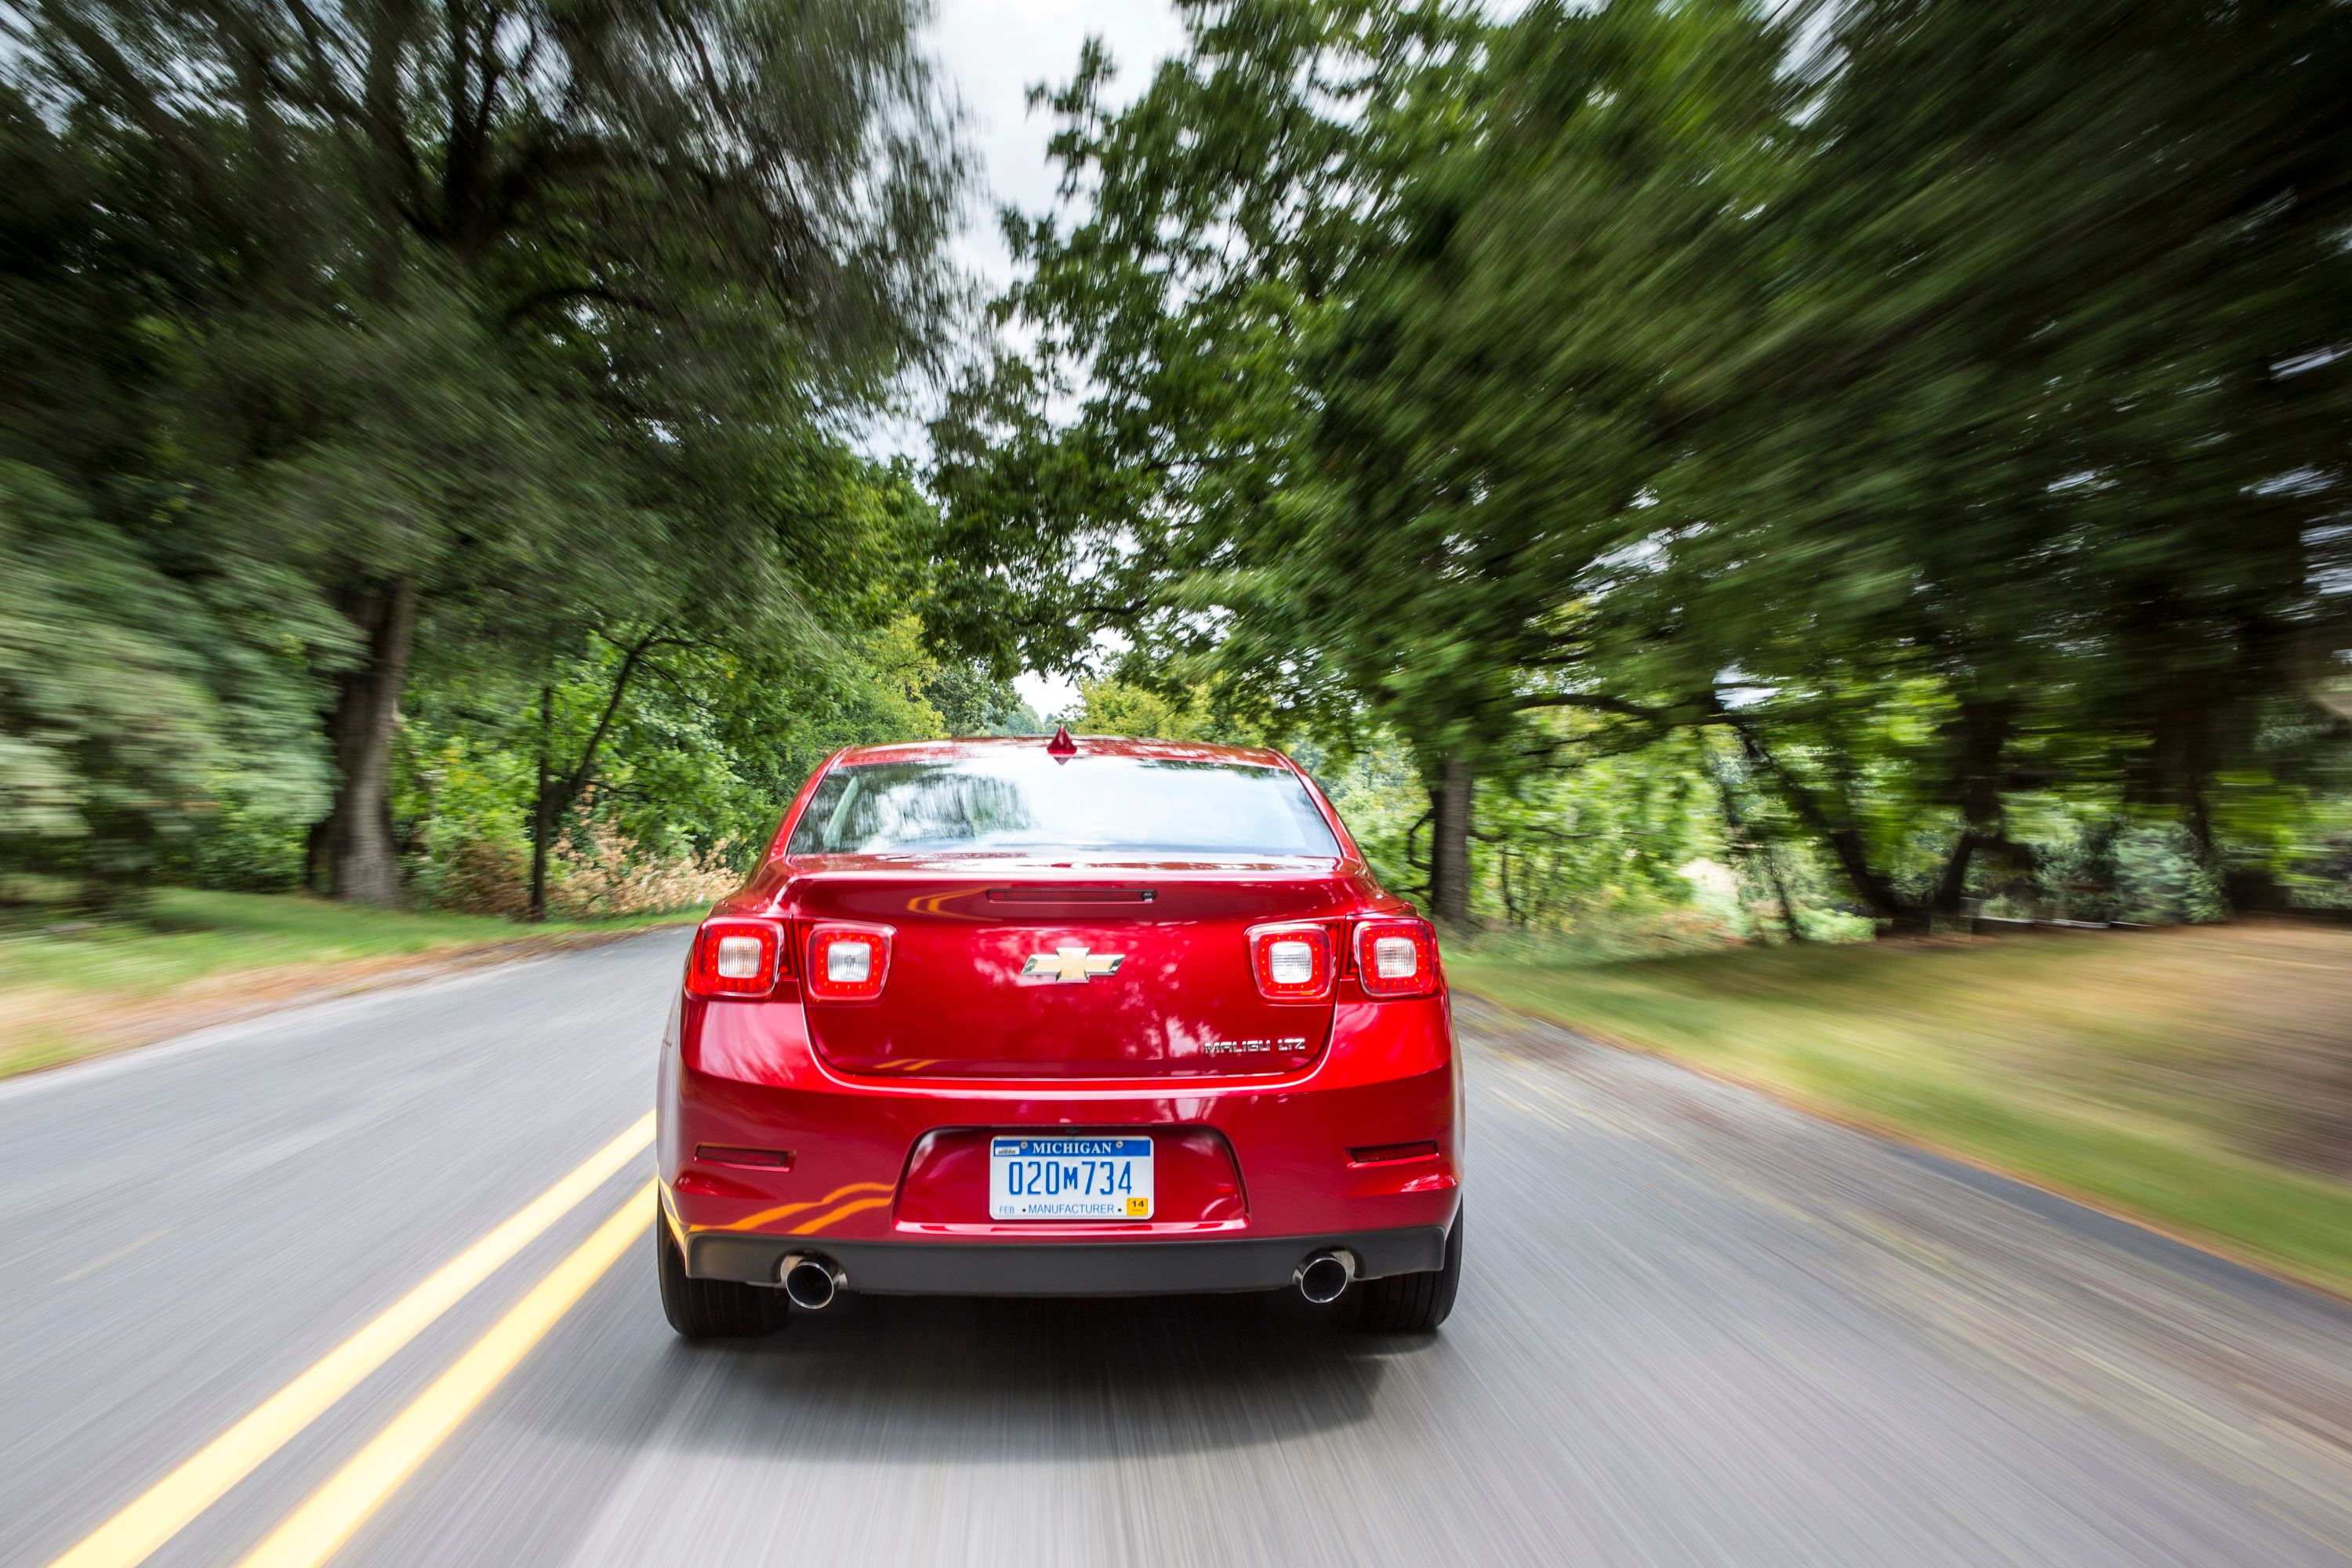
142 712
1907 435
1112 707
1767 470
426 435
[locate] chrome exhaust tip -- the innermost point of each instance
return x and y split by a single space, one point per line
1325 1276
809 1280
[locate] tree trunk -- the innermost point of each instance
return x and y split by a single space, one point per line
560 789
1747 850
1780 890
353 851
2182 743
1449 847
1842 838
542 808
1952 887
1983 732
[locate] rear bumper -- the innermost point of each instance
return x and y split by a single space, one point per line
1051 1269
889 1178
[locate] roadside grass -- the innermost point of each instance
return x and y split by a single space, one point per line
2199 1079
70 989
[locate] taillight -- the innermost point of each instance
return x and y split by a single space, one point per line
1292 962
1396 957
735 957
846 962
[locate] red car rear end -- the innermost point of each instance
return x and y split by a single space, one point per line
1106 1018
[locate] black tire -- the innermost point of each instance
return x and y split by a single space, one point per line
1410 1303
711 1309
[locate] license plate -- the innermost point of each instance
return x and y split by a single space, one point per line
1069 1178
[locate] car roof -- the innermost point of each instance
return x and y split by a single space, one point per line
1088 746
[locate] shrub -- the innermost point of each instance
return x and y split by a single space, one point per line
484 877
613 878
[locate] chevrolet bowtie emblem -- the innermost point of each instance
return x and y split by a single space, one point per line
1071 964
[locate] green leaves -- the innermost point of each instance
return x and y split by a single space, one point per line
1944 398
1127 471
109 738
462 340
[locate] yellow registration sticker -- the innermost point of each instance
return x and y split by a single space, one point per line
1066 1177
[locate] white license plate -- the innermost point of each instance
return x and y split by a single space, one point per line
1069 1178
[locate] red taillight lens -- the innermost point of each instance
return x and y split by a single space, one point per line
846 962
1292 962
735 957
1396 958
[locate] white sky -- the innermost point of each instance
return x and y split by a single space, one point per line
989 53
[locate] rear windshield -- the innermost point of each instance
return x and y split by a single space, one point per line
1028 800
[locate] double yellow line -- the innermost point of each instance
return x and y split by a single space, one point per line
316 1530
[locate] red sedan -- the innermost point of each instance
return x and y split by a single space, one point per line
1101 1017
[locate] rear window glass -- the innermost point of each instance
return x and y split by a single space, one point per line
1027 800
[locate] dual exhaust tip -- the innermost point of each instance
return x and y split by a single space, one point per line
813 1281
1324 1277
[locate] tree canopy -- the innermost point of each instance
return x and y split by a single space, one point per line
512 348
1937 409
1889 453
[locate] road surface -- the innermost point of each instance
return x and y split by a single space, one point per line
1697 1328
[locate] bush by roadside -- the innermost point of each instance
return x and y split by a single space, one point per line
606 878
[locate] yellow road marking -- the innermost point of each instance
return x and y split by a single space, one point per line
117 1256
313 1532
163 1510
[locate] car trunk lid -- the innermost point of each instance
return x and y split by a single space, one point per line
1055 975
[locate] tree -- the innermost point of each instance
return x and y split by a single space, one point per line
971 702
1210 222
2037 366
480 287
1110 707
127 699
1509 373
696 609
1939 443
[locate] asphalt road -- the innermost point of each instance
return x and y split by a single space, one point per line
1697 1328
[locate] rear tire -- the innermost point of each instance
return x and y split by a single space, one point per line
1410 1303
711 1309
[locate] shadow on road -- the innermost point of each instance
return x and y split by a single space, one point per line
939 1380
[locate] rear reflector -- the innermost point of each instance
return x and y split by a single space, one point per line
734 956
1392 1153
1292 962
724 1155
1396 957
846 962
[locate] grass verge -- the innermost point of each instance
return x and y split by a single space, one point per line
72 991
2199 1079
